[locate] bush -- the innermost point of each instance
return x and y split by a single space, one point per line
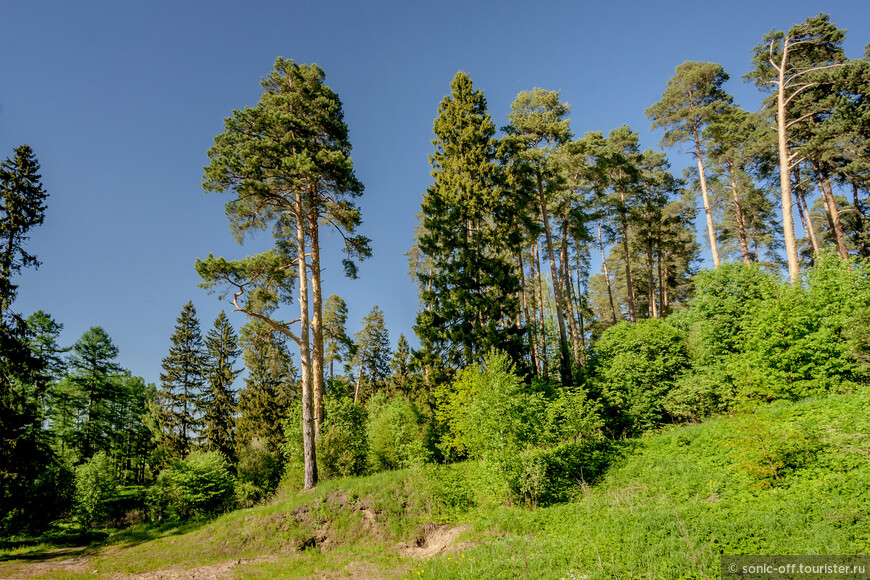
395 436
807 342
258 471
200 485
95 484
489 412
342 447
635 367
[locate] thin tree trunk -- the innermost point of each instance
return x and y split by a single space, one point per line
629 285
606 273
794 272
564 361
316 316
362 360
740 218
566 279
711 232
308 449
832 211
859 223
529 323
651 287
806 218
579 295
545 363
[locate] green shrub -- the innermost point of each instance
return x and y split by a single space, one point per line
342 447
95 484
635 367
259 472
198 486
395 435
807 342
490 413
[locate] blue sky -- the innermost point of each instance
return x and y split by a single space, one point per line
121 101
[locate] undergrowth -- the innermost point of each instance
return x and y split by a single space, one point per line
786 478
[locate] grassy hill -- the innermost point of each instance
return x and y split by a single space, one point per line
788 478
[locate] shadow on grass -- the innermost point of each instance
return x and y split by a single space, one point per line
70 542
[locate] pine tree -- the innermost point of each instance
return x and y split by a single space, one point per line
218 401
22 207
182 382
288 161
538 128
468 284
693 98
787 65
271 386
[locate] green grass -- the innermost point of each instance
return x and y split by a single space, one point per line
790 478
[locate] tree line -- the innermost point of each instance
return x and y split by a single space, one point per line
502 256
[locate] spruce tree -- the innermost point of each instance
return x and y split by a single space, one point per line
468 284
371 354
337 344
92 375
182 382
218 402
271 386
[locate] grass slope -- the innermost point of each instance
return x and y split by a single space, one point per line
789 478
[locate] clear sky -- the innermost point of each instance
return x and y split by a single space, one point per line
121 101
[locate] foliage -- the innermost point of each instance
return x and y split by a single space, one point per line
726 304
371 355
197 486
802 344
22 207
181 384
635 367
258 471
218 401
271 386
343 444
489 412
395 433
467 234
95 485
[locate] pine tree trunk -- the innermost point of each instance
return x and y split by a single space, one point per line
629 286
806 219
606 274
316 315
794 272
859 223
832 211
545 363
362 360
564 360
711 232
308 450
566 279
582 325
533 345
739 217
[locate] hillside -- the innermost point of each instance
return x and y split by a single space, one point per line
786 478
